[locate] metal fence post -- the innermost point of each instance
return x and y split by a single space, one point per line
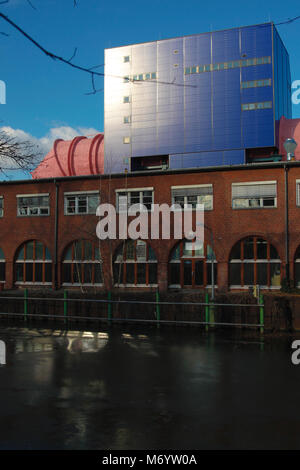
261 313
25 303
157 307
206 311
109 306
65 305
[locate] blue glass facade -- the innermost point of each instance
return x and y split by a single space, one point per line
199 100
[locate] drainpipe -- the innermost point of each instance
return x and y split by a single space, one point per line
287 247
56 235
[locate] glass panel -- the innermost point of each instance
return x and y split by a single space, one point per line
67 272
97 253
248 274
188 248
98 273
129 273
275 274
29 250
82 204
152 270
77 251
21 253
175 273
262 276
71 204
2 271
39 248
118 273
47 254
141 273
29 272
134 197
87 273
130 250
151 254
176 253
19 271
273 253
187 273
261 247
77 273
38 272
88 250
236 251
48 272
141 250
235 274
68 255
93 203
199 273
249 248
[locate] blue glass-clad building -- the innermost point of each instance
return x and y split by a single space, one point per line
203 100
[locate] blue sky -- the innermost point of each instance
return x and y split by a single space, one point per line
46 99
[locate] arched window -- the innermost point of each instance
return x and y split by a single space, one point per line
2 266
190 265
33 264
82 264
297 267
135 264
254 261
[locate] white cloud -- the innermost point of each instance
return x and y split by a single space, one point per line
45 143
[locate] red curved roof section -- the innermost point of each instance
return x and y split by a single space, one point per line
79 156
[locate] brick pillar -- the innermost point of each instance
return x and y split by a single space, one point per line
162 276
222 276
9 275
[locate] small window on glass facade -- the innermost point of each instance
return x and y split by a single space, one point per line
135 264
29 205
81 203
254 261
33 264
82 264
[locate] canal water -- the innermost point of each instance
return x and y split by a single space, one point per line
147 388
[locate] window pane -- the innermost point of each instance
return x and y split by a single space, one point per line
275 274
82 204
273 253
129 273
48 272
151 254
118 273
88 250
175 273
176 253
29 272
19 272
262 277
141 273
2 271
152 269
38 272
77 273
29 250
199 273
236 251
248 248
93 202
39 250
21 253
261 247
248 274
130 250
98 273
187 273
235 274
77 251
87 273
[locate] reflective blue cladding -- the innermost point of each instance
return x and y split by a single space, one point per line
200 100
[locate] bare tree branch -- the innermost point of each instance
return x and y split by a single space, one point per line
17 155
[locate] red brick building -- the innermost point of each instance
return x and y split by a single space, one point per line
252 219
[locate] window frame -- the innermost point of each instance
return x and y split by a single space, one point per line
77 194
133 190
38 207
258 198
195 186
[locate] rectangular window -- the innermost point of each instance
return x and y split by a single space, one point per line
126 58
127 119
256 83
125 199
81 203
126 99
33 205
254 106
1 206
254 195
298 193
193 195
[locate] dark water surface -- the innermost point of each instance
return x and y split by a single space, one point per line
129 388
